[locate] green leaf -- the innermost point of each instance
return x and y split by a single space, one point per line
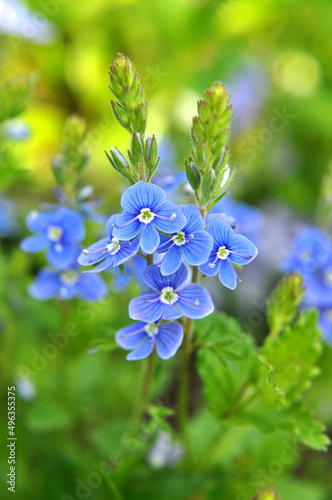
284 300
225 360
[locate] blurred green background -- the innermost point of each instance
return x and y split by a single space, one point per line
275 58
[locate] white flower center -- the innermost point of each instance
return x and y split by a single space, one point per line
151 329
54 233
168 295
69 277
146 216
223 253
113 247
179 238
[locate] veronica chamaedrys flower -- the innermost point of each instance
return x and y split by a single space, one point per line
170 297
311 249
228 248
141 338
145 210
192 242
65 285
109 250
59 232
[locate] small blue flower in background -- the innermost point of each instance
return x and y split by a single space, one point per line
81 204
164 452
169 297
228 248
145 211
16 130
141 338
311 249
8 224
65 285
109 250
58 231
166 177
192 242
133 274
244 218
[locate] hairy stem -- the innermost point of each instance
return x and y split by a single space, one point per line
184 375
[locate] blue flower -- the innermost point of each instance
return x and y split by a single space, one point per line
312 248
133 273
65 285
141 338
109 250
192 242
58 231
228 248
169 297
325 323
244 218
145 211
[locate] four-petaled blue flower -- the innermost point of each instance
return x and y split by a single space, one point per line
145 210
192 242
228 248
65 285
58 231
142 337
109 250
169 297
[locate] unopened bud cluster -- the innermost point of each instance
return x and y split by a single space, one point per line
208 170
130 110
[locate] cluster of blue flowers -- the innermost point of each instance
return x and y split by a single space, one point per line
312 258
177 236
60 232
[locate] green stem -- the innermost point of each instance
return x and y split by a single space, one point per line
144 396
213 447
185 368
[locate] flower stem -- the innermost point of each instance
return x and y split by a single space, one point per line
185 369
144 396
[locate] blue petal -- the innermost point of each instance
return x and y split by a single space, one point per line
241 245
153 278
94 255
165 243
142 195
169 339
197 251
149 239
45 285
211 271
131 336
71 223
146 311
38 222
103 265
168 210
171 261
33 244
227 275
127 250
128 231
66 292
194 220
109 225
189 296
143 351
65 257
91 287
172 312
221 232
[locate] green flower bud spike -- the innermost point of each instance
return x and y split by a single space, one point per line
130 110
208 170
